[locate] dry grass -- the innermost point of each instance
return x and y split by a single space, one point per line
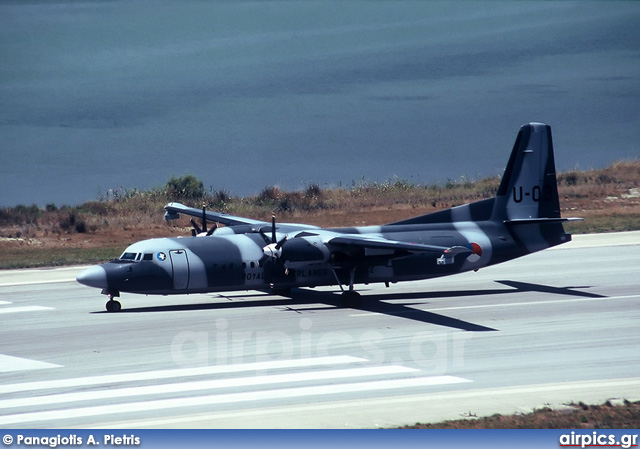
608 199
574 416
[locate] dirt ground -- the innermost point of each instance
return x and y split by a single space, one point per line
620 214
608 199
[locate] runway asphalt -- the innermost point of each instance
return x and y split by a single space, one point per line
557 326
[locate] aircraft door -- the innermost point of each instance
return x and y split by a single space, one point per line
180 264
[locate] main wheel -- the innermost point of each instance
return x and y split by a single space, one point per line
113 306
281 291
351 299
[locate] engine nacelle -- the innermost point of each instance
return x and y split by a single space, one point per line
299 252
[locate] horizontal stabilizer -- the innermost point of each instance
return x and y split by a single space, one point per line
540 220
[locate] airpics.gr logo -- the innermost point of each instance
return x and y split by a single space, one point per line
161 257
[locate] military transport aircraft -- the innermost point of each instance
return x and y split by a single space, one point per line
246 254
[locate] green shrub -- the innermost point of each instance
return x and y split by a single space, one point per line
186 187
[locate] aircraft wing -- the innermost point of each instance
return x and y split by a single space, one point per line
173 211
373 242
447 255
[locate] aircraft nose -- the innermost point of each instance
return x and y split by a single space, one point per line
93 277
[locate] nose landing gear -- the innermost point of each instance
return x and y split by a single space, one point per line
112 305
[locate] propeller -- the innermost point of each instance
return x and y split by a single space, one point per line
201 232
274 248
300 251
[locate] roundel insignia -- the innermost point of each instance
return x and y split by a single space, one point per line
476 252
162 257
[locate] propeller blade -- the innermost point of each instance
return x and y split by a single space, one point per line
281 242
196 228
204 218
264 236
273 228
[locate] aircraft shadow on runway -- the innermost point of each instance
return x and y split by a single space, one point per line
569 291
375 302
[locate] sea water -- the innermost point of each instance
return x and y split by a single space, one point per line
107 95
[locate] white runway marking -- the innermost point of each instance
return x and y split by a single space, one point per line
299 382
181 372
9 363
520 304
39 276
500 305
25 309
53 281
202 385
230 398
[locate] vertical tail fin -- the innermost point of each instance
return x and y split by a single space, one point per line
529 189
527 200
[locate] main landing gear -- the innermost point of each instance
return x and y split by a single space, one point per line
112 305
349 298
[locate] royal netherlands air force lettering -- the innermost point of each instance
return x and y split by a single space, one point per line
310 273
249 254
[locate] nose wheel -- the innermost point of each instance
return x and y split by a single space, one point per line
112 304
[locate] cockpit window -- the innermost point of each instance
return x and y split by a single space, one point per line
128 256
148 256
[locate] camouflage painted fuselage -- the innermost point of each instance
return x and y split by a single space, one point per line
522 218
